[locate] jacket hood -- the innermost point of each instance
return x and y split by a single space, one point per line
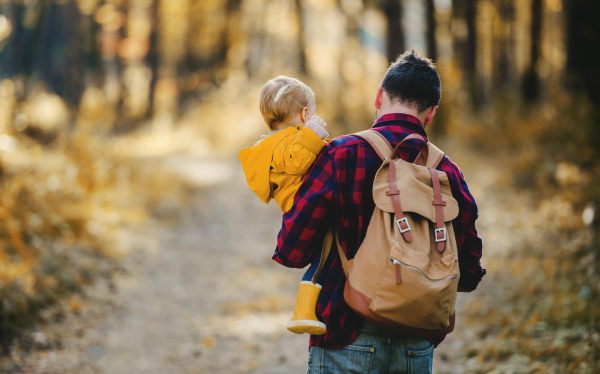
256 163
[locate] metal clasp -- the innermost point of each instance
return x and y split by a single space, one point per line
436 235
407 224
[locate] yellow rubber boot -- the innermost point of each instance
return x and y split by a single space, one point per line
304 320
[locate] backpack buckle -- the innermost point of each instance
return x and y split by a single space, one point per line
443 230
403 219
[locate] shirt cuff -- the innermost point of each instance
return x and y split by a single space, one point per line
470 281
321 132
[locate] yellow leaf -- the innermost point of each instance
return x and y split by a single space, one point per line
75 303
208 342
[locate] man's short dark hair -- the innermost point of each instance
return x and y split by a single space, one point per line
413 80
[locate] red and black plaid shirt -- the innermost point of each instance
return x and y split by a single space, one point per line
339 187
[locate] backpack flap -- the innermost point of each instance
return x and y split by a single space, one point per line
416 191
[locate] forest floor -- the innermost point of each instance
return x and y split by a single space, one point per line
200 294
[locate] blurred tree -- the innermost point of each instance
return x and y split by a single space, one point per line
5 338
431 27
63 72
531 82
301 39
504 58
207 42
44 48
583 45
152 56
465 43
395 37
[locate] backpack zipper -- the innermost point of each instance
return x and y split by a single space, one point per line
399 264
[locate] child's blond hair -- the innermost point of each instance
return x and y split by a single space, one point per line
285 108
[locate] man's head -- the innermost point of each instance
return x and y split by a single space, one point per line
411 83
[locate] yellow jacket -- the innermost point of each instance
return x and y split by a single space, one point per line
275 167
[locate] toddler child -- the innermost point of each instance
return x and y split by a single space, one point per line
276 165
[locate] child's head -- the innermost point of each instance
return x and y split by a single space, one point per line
285 108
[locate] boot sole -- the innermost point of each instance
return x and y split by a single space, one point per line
306 326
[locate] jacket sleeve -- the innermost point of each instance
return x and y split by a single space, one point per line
304 225
299 152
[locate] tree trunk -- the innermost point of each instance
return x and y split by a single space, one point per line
504 55
531 81
10 55
73 70
465 45
470 18
152 56
583 46
395 37
301 41
431 26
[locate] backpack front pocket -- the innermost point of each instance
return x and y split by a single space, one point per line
409 297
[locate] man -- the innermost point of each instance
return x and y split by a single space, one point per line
339 189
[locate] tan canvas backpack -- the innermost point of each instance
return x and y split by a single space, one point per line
405 274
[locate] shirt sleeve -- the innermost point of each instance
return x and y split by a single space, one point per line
304 225
469 257
470 246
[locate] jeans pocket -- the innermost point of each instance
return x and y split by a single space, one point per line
420 361
350 359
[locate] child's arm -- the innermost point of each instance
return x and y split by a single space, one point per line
300 151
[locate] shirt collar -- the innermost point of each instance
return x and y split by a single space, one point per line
407 119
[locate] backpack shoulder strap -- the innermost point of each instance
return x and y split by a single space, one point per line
435 156
378 142
327 240
330 234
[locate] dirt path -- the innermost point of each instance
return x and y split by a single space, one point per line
209 299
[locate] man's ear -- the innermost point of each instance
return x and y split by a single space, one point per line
430 116
379 97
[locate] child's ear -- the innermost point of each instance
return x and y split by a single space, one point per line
304 114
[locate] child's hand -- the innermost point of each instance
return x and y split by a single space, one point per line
318 120
316 124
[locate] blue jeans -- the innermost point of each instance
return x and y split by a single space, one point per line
374 351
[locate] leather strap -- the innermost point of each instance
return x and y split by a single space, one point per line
439 211
437 162
389 145
422 156
324 252
340 249
330 234
378 142
393 193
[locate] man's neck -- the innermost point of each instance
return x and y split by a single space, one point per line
399 108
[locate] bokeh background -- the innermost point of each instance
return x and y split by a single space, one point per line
129 241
